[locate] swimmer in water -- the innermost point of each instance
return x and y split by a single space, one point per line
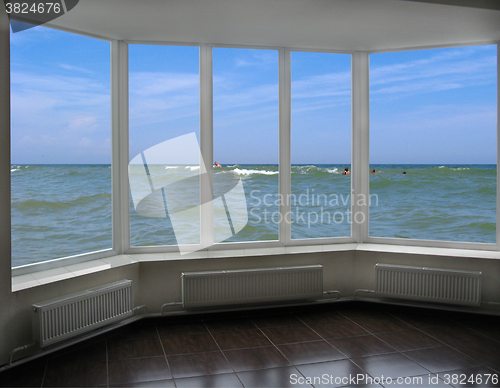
346 171
217 164
404 172
373 171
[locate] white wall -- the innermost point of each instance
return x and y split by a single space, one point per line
156 283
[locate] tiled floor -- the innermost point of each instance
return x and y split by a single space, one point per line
340 344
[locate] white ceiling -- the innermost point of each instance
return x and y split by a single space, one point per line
352 25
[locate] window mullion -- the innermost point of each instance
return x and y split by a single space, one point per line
285 185
206 146
120 147
360 146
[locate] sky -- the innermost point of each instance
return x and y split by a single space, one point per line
430 106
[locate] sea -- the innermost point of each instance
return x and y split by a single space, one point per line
63 210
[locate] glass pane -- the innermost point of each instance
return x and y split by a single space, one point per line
61 145
433 117
321 145
246 131
165 164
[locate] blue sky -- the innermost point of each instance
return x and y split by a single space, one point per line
431 106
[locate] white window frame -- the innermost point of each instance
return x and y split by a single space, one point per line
359 156
438 243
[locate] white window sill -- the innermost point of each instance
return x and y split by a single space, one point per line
35 279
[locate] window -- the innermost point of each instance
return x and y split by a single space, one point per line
321 145
433 119
164 164
433 146
61 145
246 135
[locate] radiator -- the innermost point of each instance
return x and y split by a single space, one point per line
428 284
75 314
213 288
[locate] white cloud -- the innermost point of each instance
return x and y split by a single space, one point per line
153 84
449 69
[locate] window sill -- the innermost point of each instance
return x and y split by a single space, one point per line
26 281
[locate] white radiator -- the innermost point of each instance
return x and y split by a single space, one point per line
213 288
71 315
428 284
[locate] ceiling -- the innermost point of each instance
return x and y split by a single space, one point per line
350 25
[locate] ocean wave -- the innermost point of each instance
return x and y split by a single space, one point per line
455 168
192 168
244 171
32 204
311 169
15 168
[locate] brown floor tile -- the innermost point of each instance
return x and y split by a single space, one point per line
220 326
454 335
138 370
276 320
423 320
147 384
424 340
216 381
124 349
90 352
290 334
184 328
314 317
487 326
74 373
441 359
365 345
310 352
338 329
470 342
390 365
331 374
183 344
135 331
276 377
198 364
377 322
30 375
255 358
241 339
409 340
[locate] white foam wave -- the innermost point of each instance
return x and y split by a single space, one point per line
334 170
192 168
250 172
171 167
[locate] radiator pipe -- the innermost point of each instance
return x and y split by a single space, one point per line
141 307
332 292
19 349
363 290
171 304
